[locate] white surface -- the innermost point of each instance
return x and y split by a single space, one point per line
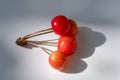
100 60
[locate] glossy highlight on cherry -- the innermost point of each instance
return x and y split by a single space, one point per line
60 24
67 45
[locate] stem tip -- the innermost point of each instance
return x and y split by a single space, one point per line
21 41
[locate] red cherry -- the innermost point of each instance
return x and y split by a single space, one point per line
60 24
67 45
73 28
57 60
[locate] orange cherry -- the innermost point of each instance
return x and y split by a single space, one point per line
57 60
67 45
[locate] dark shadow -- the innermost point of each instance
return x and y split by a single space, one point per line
87 41
29 46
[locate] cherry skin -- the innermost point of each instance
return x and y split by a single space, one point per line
67 45
73 28
60 24
57 60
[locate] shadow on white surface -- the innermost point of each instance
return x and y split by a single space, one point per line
88 40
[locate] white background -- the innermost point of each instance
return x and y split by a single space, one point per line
98 20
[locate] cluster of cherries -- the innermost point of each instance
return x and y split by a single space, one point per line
66 45
67 29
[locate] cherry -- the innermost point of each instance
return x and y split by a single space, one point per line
57 60
73 28
60 24
67 45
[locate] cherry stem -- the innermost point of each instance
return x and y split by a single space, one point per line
23 40
48 43
41 32
43 48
